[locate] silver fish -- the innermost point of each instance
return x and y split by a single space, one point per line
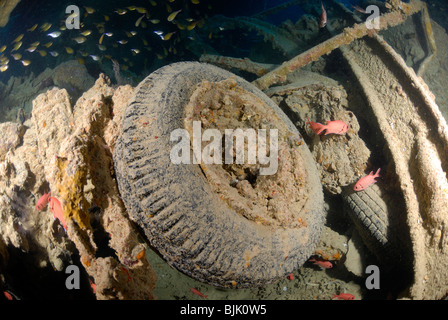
54 34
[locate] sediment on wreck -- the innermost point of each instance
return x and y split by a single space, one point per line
69 154
411 142
405 113
415 147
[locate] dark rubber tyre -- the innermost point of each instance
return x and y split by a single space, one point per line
371 214
183 219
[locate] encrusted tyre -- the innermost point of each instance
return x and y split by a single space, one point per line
224 224
371 215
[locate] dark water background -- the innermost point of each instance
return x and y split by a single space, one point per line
154 52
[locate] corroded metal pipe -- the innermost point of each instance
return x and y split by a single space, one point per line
396 16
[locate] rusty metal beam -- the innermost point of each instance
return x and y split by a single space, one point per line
397 15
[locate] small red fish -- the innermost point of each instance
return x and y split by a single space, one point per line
315 126
290 276
126 271
197 292
323 16
56 209
359 9
43 200
324 264
335 127
92 285
366 181
8 296
344 296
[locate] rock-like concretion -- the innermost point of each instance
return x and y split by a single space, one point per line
67 149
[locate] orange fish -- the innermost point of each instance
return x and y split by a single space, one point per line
56 209
335 127
43 200
197 292
323 16
140 255
366 181
324 264
344 296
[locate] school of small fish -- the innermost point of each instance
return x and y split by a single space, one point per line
96 26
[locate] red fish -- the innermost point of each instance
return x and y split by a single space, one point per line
7 295
366 181
323 17
324 264
344 296
335 127
290 276
56 209
197 292
315 126
359 9
92 285
43 200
